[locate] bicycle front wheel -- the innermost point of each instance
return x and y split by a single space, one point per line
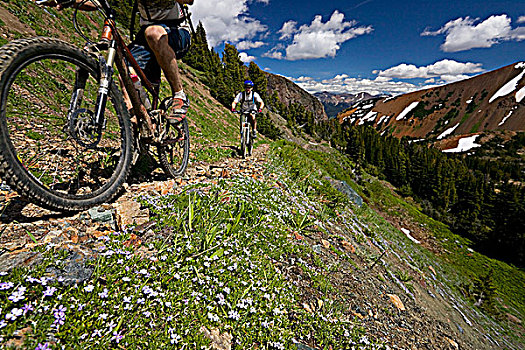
244 140
174 152
52 151
250 141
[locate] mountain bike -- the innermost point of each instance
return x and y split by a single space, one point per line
246 133
66 138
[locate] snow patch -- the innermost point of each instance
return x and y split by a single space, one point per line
407 233
464 144
520 94
368 117
447 132
505 119
509 87
383 119
407 110
520 65
469 101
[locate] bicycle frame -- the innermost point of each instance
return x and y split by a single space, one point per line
118 54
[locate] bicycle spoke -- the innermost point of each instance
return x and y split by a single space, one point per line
43 138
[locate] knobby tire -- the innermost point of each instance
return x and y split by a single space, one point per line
174 157
27 150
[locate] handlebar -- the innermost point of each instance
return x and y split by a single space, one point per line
253 111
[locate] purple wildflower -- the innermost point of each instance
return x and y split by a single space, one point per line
117 337
44 346
6 285
27 308
49 291
17 295
60 315
104 294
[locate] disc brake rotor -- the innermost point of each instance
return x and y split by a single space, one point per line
83 129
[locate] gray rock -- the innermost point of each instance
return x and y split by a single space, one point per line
347 190
13 260
303 347
73 270
99 214
317 248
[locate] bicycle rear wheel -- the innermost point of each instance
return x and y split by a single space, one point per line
51 150
174 151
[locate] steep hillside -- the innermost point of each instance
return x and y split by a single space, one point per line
493 101
290 92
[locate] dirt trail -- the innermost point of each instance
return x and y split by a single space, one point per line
18 217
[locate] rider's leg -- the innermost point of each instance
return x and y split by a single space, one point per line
158 38
254 124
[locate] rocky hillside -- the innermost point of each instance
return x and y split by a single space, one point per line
290 92
335 103
493 101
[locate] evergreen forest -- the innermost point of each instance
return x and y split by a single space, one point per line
480 197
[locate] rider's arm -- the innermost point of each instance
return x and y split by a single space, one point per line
259 100
86 6
236 100
62 4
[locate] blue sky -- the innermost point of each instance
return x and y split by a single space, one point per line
369 45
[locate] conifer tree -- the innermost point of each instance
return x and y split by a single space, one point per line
234 72
259 79
199 56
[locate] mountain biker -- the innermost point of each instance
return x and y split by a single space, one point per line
163 38
249 100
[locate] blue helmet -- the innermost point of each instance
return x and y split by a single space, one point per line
248 83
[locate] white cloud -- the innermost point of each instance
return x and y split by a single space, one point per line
227 20
318 39
244 57
246 45
344 84
446 70
466 33
288 29
521 19
275 52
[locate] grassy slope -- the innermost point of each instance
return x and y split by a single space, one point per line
211 230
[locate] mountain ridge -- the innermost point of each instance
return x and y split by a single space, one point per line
492 101
338 102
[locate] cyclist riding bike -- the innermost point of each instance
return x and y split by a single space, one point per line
163 38
250 101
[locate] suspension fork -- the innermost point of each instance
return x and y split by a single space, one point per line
81 76
106 76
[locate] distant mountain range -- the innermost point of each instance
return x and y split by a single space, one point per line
335 103
493 101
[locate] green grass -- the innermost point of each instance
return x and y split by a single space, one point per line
461 264
214 265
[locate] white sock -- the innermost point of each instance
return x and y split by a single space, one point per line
180 94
